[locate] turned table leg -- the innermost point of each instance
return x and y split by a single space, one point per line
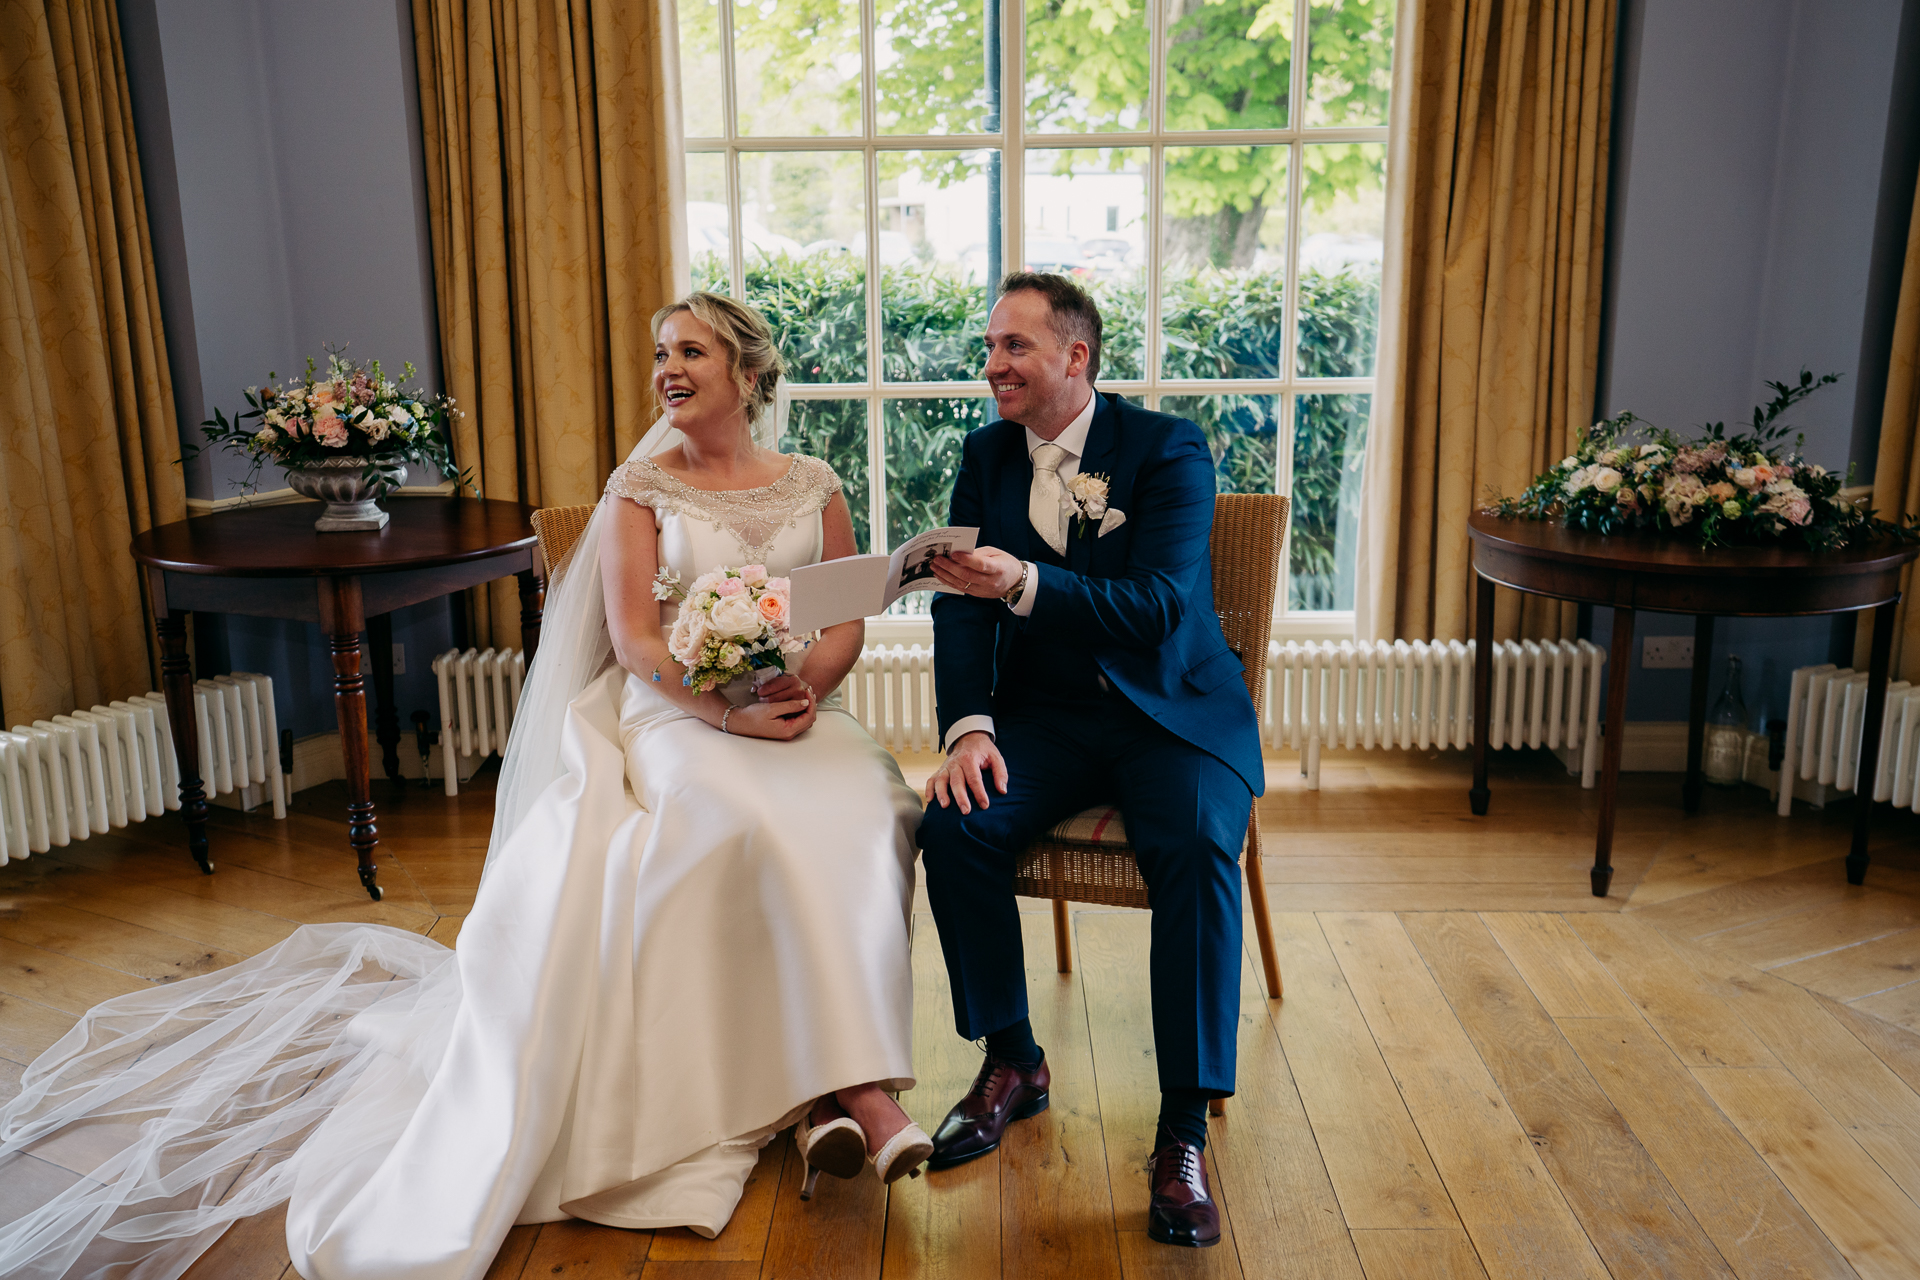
386 716
1697 711
1479 796
1868 774
530 613
1619 660
176 675
342 618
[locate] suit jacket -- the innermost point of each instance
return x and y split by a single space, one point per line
1139 601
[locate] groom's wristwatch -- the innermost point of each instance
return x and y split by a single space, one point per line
1013 593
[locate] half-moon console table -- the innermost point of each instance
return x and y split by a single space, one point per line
270 562
1630 572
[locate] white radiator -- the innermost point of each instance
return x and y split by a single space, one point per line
1419 695
82 774
890 692
1390 694
1826 720
478 693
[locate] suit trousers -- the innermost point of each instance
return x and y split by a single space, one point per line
1186 817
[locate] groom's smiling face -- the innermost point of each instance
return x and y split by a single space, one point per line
1037 380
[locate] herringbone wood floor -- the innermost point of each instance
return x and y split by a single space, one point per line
1478 1068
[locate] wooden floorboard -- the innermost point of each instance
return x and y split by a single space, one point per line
1639 1225
1479 1069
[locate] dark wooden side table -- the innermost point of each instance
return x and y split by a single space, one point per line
1633 572
270 562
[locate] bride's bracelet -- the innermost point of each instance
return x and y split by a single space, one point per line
723 720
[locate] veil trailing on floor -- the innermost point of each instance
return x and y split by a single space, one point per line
165 1115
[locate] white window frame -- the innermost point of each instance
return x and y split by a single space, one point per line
1013 142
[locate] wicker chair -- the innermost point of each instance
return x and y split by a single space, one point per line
1086 858
558 528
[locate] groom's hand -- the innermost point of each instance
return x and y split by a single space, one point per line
985 572
962 779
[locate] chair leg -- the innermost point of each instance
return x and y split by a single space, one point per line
1216 1106
1262 919
1062 937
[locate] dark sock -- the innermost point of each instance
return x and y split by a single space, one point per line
1183 1114
1015 1044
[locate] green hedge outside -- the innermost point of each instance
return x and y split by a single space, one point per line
1217 324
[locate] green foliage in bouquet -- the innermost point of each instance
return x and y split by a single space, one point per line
1748 488
350 411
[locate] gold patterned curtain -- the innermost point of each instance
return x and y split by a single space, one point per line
88 444
555 191
1896 471
1490 323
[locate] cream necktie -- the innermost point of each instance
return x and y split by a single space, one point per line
1046 505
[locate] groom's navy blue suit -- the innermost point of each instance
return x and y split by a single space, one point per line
1117 688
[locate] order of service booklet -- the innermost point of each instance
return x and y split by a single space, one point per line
836 591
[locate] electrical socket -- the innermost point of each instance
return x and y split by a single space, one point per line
1666 652
400 659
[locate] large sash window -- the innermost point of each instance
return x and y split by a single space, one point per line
863 171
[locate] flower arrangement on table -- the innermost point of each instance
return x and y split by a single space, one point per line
1748 488
732 621
352 411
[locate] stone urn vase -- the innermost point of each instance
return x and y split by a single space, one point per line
352 499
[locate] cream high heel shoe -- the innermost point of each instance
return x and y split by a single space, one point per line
838 1147
902 1155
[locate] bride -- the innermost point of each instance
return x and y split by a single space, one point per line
691 932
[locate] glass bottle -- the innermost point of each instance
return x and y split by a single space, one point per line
1726 735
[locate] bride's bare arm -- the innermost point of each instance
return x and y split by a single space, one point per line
629 558
838 648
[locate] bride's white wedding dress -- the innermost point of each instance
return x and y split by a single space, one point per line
684 938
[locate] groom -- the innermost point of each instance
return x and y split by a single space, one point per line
1084 664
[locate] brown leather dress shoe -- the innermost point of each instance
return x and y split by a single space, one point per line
1182 1211
1001 1094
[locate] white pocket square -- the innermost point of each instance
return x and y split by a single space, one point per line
1114 518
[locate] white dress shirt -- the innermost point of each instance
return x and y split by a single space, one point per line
1074 441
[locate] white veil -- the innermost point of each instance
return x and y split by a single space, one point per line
575 647
167 1114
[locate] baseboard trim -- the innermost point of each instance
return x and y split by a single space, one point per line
318 758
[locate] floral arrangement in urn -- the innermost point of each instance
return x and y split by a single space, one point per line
1748 488
344 436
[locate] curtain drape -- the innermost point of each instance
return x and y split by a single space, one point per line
1896 471
1490 321
555 189
88 444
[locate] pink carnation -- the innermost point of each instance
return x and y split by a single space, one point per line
331 432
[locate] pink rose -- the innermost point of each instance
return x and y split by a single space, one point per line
729 587
754 575
774 607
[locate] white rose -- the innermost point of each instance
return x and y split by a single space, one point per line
736 617
398 413
1606 480
1571 460
1580 479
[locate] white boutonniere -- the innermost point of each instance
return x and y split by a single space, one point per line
1087 495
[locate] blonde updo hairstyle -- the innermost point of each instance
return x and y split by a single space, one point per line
747 339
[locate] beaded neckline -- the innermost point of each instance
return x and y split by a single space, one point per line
754 517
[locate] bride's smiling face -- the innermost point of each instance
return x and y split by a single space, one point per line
690 375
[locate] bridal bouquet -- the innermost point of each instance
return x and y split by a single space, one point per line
349 411
1746 488
732 621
